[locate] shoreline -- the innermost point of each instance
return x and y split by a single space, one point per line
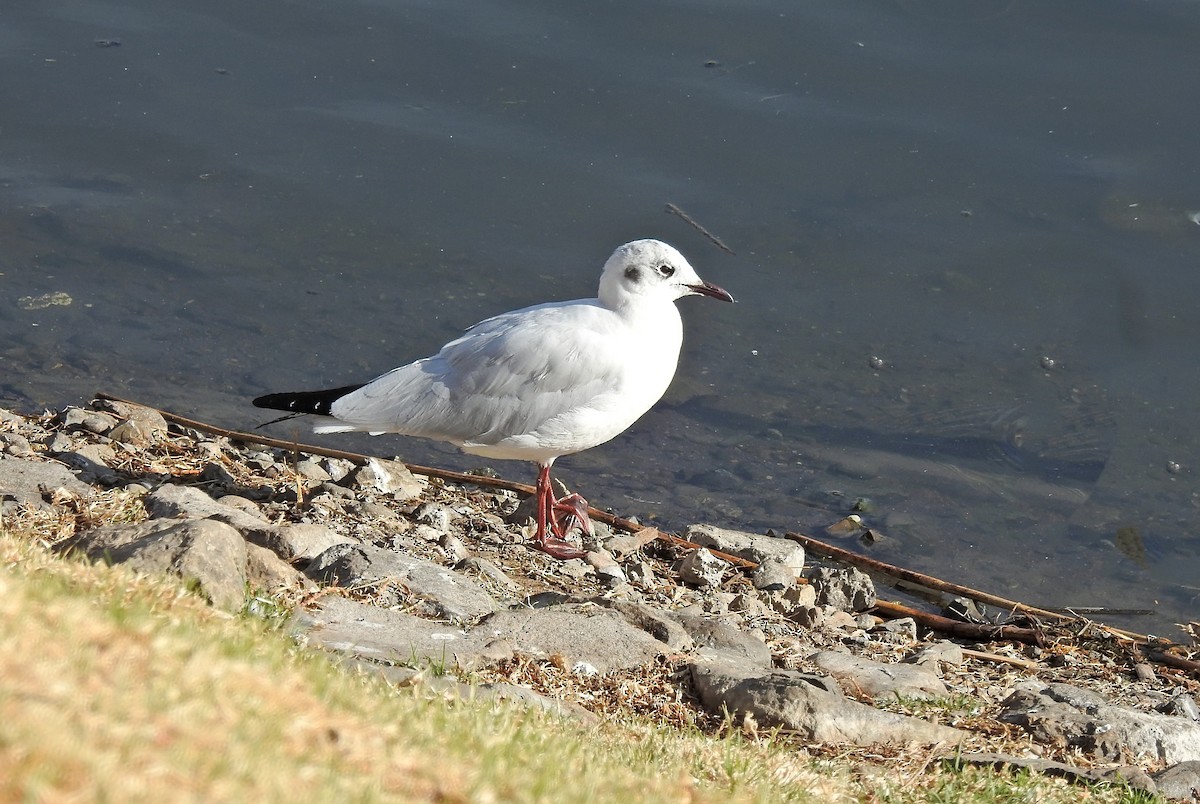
337 544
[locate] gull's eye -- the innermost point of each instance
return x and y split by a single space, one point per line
665 270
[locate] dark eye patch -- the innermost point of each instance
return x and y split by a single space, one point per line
633 274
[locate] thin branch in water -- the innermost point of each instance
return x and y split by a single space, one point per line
690 221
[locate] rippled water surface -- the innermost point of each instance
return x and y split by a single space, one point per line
966 235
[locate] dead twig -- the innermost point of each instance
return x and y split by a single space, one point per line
1159 646
974 631
928 581
996 658
686 218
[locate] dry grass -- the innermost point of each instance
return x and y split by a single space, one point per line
117 687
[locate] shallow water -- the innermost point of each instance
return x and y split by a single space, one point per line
965 236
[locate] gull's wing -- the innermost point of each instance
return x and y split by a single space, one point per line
506 377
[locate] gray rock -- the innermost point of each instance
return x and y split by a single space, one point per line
902 631
449 594
299 541
1182 705
880 680
435 515
209 554
1180 781
717 633
310 469
701 568
358 629
942 651
750 546
807 705
389 477
797 603
265 570
848 589
579 633
88 420
653 621
486 569
453 547
16 445
22 480
773 574
641 573
1063 715
575 632
91 461
607 569
144 424
337 468
242 504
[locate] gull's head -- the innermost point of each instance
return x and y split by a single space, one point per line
651 271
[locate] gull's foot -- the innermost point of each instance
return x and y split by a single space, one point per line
559 548
571 512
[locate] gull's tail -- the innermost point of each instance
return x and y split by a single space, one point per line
296 403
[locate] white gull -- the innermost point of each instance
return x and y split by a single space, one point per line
537 383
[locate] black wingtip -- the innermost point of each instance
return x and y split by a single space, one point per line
297 402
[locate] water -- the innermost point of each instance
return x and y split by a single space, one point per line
965 234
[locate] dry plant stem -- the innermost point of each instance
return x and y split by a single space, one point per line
686 218
1171 660
996 658
928 581
974 631
428 471
1156 654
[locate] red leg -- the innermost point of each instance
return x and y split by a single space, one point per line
554 513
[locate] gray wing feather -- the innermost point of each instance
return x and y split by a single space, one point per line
506 376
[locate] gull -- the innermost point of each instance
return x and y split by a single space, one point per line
537 383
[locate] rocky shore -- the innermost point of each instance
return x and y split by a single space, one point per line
431 584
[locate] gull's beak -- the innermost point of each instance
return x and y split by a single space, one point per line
711 290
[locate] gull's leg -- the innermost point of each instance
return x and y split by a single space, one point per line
549 513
